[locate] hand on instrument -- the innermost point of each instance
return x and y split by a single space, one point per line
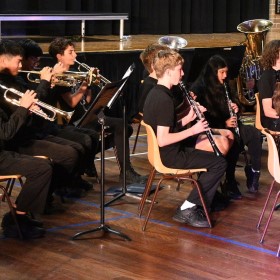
234 107
189 117
200 126
231 122
59 68
28 99
46 74
201 108
193 95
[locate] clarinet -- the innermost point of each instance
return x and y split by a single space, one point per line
231 111
200 116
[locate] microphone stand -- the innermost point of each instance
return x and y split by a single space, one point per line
103 227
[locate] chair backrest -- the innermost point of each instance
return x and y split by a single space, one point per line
153 151
273 157
258 123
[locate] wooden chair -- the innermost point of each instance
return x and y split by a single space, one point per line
166 173
9 181
274 170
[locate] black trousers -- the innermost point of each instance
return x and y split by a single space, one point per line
116 127
38 174
210 180
252 139
87 138
63 153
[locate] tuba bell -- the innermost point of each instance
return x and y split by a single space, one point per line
255 31
173 42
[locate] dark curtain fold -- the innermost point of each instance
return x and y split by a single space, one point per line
145 16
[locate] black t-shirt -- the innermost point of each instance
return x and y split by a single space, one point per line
159 110
146 85
266 86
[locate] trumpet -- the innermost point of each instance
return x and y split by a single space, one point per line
46 111
103 80
68 78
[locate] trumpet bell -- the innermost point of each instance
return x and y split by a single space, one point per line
173 42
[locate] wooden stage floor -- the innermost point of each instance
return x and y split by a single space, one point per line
140 42
166 250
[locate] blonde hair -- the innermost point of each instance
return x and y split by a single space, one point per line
166 59
148 55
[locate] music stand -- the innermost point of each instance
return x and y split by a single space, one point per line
111 93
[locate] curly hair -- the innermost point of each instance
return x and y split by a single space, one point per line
59 45
270 54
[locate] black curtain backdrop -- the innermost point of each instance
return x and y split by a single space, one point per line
145 16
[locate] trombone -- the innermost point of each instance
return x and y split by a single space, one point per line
102 80
46 111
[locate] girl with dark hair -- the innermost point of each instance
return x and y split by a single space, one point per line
222 106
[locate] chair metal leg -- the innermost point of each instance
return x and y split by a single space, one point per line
146 191
136 138
266 202
5 194
270 217
152 204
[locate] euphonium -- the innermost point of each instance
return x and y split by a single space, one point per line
46 111
255 31
102 80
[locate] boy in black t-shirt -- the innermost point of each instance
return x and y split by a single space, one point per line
159 113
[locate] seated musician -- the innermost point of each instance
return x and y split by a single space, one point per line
88 139
268 86
221 112
28 140
63 51
173 151
37 171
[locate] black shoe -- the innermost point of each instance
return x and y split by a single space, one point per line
91 172
252 179
28 232
230 189
22 219
220 202
192 216
133 177
85 185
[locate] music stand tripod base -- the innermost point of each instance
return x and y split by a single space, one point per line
104 228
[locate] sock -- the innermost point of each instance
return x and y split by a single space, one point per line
186 205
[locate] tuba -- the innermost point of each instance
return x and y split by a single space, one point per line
250 71
173 42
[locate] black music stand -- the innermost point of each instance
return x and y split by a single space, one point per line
112 90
